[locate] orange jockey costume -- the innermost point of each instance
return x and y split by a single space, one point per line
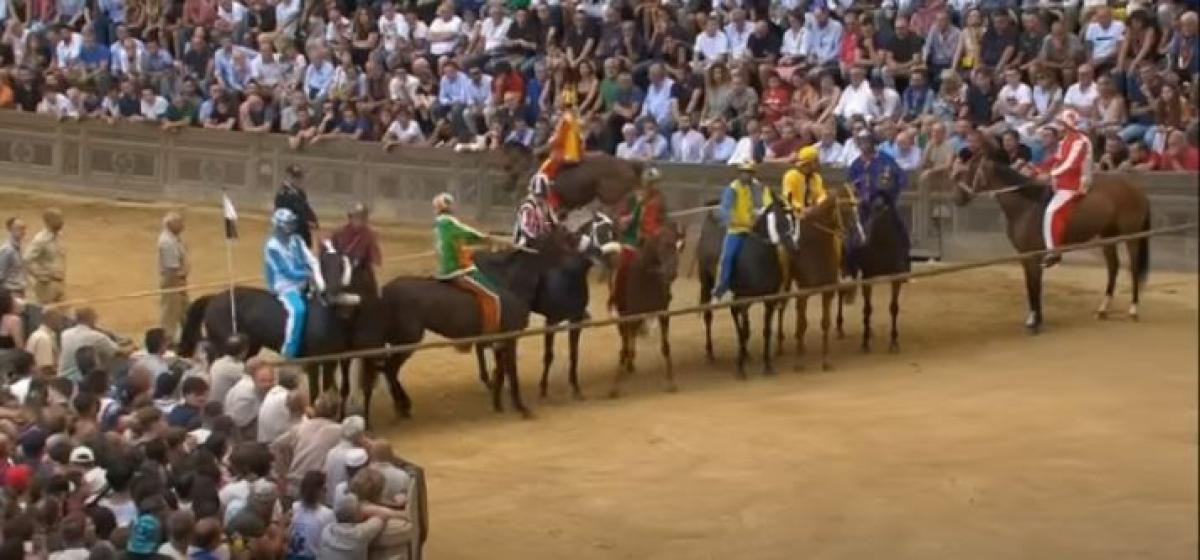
1070 174
566 147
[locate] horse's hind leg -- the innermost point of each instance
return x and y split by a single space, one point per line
826 301
894 309
801 325
1112 264
741 322
624 358
780 311
840 332
401 403
664 337
547 361
1136 275
1033 294
481 360
866 303
514 383
573 373
768 324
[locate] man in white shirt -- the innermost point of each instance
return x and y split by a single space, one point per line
83 334
737 31
857 99
1104 37
231 18
245 399
712 45
1082 95
403 86
687 144
43 343
444 31
393 28
1014 100
403 131
227 370
793 50
887 101
828 147
287 17
58 106
154 106
282 407
494 29
651 145
66 49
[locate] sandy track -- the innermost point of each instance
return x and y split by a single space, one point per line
977 441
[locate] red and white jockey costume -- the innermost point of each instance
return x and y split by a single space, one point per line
1070 171
534 219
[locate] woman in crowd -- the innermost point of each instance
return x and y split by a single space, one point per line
717 94
966 57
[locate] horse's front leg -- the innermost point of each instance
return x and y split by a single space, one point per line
866 303
826 302
664 334
573 373
1033 295
547 361
514 381
768 324
894 309
1112 265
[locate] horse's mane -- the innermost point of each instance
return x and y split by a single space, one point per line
1012 178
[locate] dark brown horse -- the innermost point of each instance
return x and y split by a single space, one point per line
817 263
598 177
647 288
1114 206
883 251
413 305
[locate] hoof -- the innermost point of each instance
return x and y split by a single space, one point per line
1101 315
542 393
865 348
1133 313
741 375
1033 329
769 371
526 414
614 394
798 367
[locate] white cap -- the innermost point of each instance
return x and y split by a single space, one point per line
82 455
356 458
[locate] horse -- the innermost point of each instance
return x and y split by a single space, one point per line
1113 207
757 272
816 264
883 250
647 289
413 305
261 318
597 176
562 295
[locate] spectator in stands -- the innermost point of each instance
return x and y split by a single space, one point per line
719 147
1179 155
1104 37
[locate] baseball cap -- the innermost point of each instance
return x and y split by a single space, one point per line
356 457
82 455
353 427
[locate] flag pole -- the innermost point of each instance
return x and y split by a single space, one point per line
230 216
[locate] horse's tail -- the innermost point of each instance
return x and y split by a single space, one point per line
1143 256
192 323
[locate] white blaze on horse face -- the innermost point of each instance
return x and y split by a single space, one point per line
328 246
347 271
772 228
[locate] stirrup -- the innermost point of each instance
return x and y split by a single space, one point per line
1051 259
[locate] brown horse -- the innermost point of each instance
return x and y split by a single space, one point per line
1114 206
816 263
598 177
646 289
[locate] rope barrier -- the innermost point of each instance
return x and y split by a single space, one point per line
949 269
257 280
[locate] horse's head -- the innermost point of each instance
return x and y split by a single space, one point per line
777 224
979 172
598 236
338 272
661 251
555 245
516 160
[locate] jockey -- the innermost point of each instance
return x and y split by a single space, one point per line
289 267
640 217
1069 173
534 217
875 175
803 186
566 148
743 200
454 265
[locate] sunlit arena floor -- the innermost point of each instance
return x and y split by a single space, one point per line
975 441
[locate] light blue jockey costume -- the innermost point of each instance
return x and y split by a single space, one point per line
741 203
875 176
289 267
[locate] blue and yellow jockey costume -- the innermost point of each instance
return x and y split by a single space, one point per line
741 203
289 266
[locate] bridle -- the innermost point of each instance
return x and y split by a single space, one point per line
977 176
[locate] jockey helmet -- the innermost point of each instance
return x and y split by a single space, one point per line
283 218
808 154
357 209
539 185
443 202
1068 118
747 165
651 175
294 171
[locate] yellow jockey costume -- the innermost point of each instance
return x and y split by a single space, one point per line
566 147
804 188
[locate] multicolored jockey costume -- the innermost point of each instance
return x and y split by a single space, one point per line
289 266
875 176
534 218
641 216
566 148
451 240
741 203
804 188
1069 172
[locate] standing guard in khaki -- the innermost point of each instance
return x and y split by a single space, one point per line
173 271
46 260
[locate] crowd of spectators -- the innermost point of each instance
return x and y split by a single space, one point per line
694 82
108 453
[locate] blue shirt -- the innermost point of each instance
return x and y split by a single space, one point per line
823 42
478 94
115 9
318 78
880 177
95 55
657 103
916 101
285 264
456 91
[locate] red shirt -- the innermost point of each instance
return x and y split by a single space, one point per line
1189 161
775 102
505 83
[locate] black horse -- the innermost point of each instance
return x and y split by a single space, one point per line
413 305
261 318
883 249
561 295
757 272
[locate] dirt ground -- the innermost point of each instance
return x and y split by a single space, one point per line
976 441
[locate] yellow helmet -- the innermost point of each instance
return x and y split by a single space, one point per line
808 154
747 165
568 97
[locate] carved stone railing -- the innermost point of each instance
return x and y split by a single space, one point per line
137 161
